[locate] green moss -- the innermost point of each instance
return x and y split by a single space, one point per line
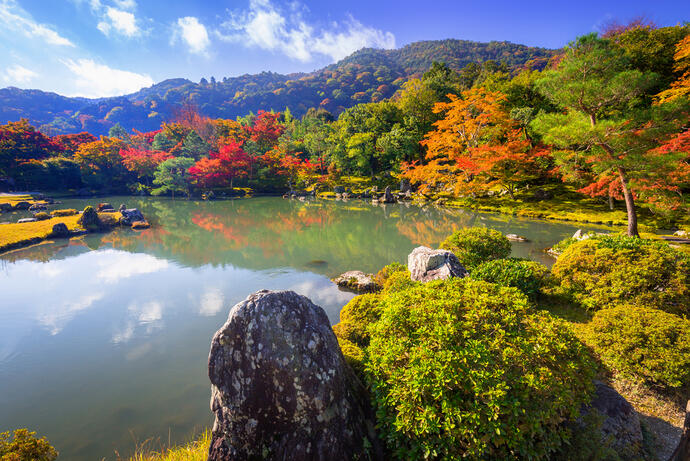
530 277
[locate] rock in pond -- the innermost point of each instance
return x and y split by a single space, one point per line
60 230
122 208
388 196
104 206
89 219
516 238
140 225
426 264
357 281
280 387
130 216
25 220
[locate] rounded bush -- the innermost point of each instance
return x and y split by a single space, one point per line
42 216
67 212
527 276
23 444
387 271
465 369
356 317
476 245
607 271
398 281
89 219
645 344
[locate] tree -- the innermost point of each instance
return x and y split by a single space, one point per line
222 167
20 142
143 162
681 87
595 86
173 176
118 131
101 162
193 146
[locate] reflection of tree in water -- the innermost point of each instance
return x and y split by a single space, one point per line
268 233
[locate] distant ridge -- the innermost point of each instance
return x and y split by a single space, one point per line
367 75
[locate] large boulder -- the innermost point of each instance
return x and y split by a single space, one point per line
130 216
60 230
620 428
426 264
357 281
89 219
22 206
388 196
280 387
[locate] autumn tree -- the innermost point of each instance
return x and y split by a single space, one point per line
221 168
21 142
681 87
143 162
597 91
101 162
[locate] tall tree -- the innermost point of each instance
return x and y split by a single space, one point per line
598 91
173 176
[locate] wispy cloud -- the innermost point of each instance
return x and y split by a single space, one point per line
19 74
13 17
193 33
266 26
122 22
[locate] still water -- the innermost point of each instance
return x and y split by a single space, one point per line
104 338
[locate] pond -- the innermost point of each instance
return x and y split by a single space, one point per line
104 338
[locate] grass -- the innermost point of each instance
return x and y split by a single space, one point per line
14 199
196 450
16 235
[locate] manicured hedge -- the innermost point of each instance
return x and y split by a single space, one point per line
476 245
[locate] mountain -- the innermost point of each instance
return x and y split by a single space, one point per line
368 75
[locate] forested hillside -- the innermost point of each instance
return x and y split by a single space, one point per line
368 75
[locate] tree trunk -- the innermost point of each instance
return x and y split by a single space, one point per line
610 201
682 452
629 205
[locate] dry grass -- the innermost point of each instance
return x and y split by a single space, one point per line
196 450
16 235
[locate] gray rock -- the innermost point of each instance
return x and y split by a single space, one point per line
541 194
405 186
516 238
4 207
130 216
357 281
22 206
620 429
24 220
38 207
122 208
682 451
60 231
388 196
682 233
280 387
89 219
104 207
426 264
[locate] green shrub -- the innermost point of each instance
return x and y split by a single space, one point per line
606 271
355 318
354 355
398 281
42 216
462 368
527 276
387 271
645 344
24 446
476 245
67 212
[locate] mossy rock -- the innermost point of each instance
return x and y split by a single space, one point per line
89 219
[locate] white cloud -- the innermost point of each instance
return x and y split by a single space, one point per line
56 319
121 21
119 265
193 33
126 4
12 16
267 27
211 302
19 74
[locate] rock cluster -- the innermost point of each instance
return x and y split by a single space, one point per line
130 216
426 264
281 388
357 281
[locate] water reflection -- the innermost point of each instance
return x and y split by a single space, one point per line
107 335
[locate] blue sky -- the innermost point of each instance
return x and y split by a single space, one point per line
110 47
